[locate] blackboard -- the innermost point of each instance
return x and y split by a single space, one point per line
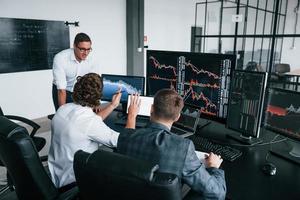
27 44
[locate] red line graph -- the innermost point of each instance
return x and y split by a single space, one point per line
163 66
201 71
196 97
156 77
157 64
207 85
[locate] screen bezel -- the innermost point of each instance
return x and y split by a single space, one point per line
122 76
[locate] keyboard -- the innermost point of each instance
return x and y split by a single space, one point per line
205 145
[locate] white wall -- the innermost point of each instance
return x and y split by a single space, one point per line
168 24
28 94
291 55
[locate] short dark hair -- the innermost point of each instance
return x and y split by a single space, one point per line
88 90
81 37
167 104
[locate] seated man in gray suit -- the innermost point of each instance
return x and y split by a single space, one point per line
173 153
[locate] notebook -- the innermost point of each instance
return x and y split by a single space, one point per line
145 108
143 115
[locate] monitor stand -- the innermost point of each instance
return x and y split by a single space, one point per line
291 152
245 139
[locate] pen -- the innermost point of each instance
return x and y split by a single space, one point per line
122 91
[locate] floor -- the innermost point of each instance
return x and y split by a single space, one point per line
44 131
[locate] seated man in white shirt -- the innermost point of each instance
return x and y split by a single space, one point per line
75 126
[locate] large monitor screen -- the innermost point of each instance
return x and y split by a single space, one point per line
127 84
283 112
201 79
246 97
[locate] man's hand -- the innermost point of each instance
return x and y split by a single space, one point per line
134 106
213 160
133 110
115 101
97 109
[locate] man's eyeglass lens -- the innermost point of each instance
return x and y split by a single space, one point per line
82 50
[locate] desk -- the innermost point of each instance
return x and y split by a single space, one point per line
244 178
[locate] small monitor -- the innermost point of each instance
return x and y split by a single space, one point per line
245 107
283 117
188 119
145 108
127 84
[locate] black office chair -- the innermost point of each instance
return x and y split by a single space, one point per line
109 175
281 68
20 156
38 141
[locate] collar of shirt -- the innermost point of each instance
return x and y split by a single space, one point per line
156 125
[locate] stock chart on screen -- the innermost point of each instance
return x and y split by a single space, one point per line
201 79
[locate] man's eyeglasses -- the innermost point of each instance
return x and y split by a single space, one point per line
82 50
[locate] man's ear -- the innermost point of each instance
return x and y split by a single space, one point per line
151 110
177 118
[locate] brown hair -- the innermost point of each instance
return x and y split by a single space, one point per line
81 37
167 104
88 90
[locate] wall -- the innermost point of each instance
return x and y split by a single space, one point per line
29 93
291 54
168 24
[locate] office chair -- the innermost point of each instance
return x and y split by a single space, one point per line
109 175
281 68
20 156
279 74
38 141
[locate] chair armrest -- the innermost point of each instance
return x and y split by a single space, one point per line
34 125
71 194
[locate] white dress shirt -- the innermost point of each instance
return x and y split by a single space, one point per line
75 127
66 69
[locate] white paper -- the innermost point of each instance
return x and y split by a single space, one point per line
201 155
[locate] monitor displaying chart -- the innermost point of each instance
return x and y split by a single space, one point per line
201 79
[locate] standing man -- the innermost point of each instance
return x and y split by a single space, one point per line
174 154
68 65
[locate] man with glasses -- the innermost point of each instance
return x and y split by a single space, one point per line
68 65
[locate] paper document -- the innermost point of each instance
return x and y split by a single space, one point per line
201 155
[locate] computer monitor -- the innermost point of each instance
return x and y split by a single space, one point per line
283 117
188 119
202 79
127 84
245 107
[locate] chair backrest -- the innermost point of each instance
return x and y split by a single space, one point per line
1 112
281 68
19 155
111 175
